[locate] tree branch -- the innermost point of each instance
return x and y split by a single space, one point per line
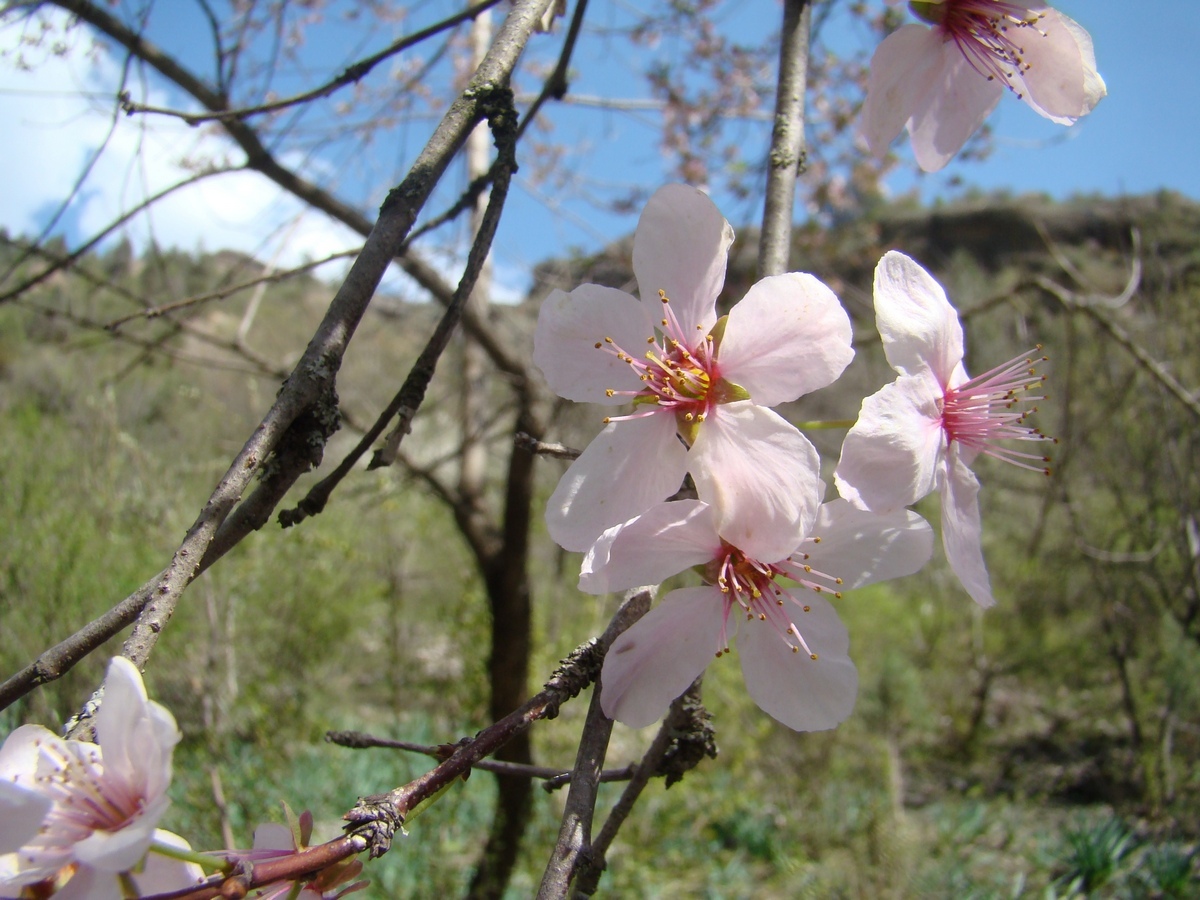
283 445
350 75
787 140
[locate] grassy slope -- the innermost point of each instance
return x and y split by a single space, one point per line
981 743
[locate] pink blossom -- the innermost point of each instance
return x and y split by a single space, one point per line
921 432
93 808
699 386
792 645
272 841
942 81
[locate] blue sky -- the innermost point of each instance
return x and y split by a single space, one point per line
1142 137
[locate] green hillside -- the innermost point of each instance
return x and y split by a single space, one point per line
1047 747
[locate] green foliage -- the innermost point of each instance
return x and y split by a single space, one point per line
1043 748
1097 853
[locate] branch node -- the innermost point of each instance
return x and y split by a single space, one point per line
374 820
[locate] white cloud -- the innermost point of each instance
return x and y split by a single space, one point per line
60 109
58 113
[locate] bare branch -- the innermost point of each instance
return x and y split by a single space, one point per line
373 820
502 118
154 312
546 448
1071 301
292 434
787 140
75 255
554 777
575 831
684 739
556 85
350 75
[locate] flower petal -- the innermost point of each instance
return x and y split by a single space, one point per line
919 327
787 337
1060 80
957 101
122 849
163 874
660 655
862 547
564 342
21 814
661 542
627 468
898 79
273 836
681 246
962 530
137 736
761 475
803 693
1094 89
20 754
890 457
89 884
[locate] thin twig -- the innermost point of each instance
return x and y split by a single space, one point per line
350 75
553 777
575 831
154 312
305 411
546 448
557 84
787 140
1189 399
502 119
374 820
76 254
683 740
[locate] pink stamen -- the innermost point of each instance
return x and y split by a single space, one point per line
987 34
982 411
751 586
678 378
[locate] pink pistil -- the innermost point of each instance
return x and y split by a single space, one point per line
678 379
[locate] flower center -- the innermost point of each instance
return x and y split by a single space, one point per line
988 32
752 587
986 409
73 777
679 375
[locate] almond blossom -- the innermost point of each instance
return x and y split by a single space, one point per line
81 816
792 645
700 386
942 81
921 432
